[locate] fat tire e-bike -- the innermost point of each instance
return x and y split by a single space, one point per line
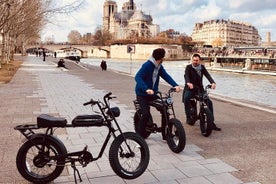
200 111
43 156
171 128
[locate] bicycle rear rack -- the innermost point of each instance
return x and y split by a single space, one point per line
26 130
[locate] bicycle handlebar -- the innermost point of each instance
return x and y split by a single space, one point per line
173 89
105 98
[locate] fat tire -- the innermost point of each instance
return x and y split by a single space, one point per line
119 146
24 167
206 122
193 111
137 126
176 130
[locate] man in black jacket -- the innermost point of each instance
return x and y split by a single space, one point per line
193 77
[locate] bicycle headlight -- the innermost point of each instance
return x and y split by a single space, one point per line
205 96
115 111
169 101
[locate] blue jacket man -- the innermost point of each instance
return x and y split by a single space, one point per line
147 82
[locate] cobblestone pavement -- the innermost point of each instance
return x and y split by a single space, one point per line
40 87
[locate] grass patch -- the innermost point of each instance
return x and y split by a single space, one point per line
7 71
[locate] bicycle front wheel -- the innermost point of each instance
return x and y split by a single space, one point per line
176 137
129 155
206 122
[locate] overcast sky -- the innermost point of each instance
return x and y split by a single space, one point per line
180 15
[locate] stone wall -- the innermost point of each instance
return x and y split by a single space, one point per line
144 51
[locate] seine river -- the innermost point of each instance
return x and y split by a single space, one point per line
254 89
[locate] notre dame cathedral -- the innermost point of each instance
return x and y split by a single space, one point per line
128 23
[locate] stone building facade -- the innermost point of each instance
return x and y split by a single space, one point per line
128 23
226 33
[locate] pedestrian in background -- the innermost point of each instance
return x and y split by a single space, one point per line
44 55
103 65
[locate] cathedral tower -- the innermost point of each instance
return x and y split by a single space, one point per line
109 9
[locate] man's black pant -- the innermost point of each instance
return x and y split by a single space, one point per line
146 118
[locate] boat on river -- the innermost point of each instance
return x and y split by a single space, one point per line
73 55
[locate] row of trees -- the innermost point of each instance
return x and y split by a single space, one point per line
101 37
98 38
21 22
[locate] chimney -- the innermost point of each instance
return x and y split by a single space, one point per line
268 37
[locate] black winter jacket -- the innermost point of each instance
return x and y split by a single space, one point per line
191 76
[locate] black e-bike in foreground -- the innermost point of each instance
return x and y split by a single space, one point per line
43 156
171 128
200 111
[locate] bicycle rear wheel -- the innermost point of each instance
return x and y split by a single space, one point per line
129 155
36 160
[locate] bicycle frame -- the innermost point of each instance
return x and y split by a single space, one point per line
163 104
201 97
171 128
83 157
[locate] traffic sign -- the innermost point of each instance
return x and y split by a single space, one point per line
131 49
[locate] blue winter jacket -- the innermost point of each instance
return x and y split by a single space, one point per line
145 77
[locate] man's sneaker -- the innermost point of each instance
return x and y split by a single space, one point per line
216 128
189 121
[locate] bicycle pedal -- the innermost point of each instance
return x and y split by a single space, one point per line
150 129
158 129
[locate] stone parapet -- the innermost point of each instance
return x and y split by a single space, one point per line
144 51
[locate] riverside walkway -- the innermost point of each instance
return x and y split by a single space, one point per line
242 153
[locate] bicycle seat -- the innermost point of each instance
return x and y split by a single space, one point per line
46 120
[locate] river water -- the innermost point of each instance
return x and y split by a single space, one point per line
256 89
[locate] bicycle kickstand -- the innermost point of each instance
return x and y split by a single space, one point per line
75 171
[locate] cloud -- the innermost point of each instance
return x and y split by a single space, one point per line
180 15
251 5
207 12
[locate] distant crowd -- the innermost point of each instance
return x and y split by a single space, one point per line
211 52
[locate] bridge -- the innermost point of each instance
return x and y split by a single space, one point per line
84 50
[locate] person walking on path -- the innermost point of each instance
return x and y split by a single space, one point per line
147 83
103 65
44 55
193 76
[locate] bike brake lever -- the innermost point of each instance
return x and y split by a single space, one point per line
111 97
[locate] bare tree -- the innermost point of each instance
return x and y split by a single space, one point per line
22 21
102 37
74 37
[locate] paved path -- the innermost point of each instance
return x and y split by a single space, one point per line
40 87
